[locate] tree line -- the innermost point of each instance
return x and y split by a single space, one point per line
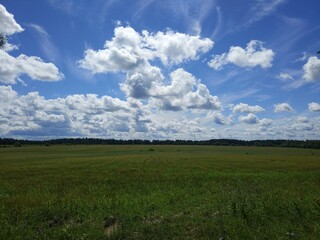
214 142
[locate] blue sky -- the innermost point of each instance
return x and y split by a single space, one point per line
171 69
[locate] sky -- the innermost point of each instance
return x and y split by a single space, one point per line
169 69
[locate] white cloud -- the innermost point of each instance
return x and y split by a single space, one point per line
301 124
285 76
185 92
174 48
201 99
253 55
218 118
7 94
249 119
92 104
45 117
32 115
8 47
12 68
89 115
181 84
266 122
282 107
245 108
8 25
312 70
130 52
302 120
314 107
129 49
310 74
140 82
77 115
218 61
123 53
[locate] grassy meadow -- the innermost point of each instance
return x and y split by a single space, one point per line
159 192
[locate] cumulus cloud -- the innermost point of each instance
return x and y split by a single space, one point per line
182 83
8 25
253 55
249 119
314 107
282 107
123 53
74 115
184 92
80 115
131 53
310 74
218 118
302 120
266 122
12 68
301 124
92 104
312 70
139 83
129 49
245 108
89 115
174 48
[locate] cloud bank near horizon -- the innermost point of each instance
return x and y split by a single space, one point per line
162 96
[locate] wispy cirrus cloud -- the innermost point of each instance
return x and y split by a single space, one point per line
191 13
262 8
47 46
141 7
66 6
251 13
218 24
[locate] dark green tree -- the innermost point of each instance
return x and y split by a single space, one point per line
3 40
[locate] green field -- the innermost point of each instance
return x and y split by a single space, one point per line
159 192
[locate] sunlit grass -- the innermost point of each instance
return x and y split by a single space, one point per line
181 192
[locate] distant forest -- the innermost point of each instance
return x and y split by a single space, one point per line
214 142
